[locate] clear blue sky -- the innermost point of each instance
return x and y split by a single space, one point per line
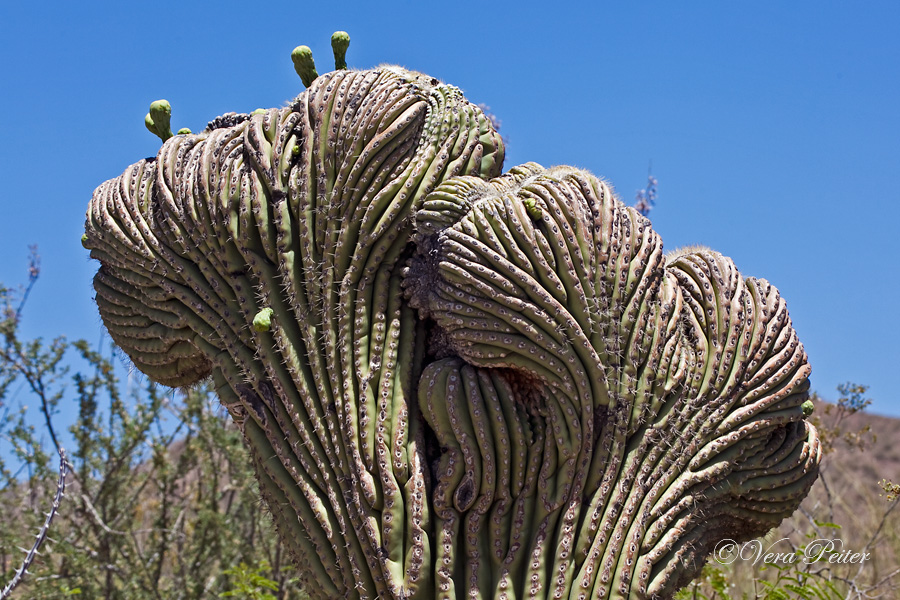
773 127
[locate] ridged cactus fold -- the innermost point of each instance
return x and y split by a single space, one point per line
454 383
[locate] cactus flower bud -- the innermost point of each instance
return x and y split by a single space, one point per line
340 41
263 320
304 64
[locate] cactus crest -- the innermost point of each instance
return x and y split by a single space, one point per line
481 385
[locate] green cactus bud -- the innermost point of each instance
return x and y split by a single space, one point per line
340 41
304 64
84 239
532 208
808 408
259 111
151 126
184 131
158 119
263 320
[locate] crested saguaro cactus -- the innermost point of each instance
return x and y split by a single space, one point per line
453 383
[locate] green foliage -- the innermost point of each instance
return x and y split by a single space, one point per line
250 583
800 578
712 583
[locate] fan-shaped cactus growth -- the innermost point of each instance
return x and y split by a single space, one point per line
454 383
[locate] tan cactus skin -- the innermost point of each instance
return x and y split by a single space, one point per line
454 384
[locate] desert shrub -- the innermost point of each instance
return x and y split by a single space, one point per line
160 502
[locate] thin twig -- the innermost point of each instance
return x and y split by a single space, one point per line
42 535
34 271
